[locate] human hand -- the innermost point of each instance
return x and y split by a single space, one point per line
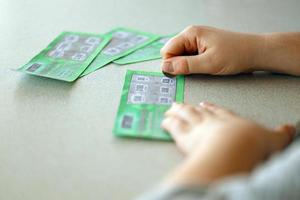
207 50
219 143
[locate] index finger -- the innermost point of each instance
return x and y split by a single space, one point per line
177 46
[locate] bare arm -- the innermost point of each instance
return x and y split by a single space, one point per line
280 53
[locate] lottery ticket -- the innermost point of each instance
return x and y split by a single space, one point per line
145 98
67 56
149 52
124 41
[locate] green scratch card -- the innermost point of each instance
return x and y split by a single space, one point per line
124 41
145 98
67 56
149 52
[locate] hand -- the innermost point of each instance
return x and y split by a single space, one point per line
219 143
208 50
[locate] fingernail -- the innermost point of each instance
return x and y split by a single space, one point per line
205 103
176 105
168 67
164 122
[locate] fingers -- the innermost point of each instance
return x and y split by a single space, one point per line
179 120
175 46
175 126
186 112
283 136
203 64
216 109
179 45
186 53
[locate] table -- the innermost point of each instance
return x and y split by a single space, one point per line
56 138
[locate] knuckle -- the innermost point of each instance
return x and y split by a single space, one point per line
176 122
192 28
162 51
164 121
168 122
164 48
196 29
188 109
182 70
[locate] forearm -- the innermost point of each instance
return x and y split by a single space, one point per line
279 52
265 183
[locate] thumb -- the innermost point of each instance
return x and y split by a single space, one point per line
282 137
189 64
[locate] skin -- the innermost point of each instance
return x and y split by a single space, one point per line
219 143
207 50
216 142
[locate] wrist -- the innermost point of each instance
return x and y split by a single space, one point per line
278 52
189 173
209 164
201 169
258 45
262 55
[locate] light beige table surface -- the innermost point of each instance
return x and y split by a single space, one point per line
56 138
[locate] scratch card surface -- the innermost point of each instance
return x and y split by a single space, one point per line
145 98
